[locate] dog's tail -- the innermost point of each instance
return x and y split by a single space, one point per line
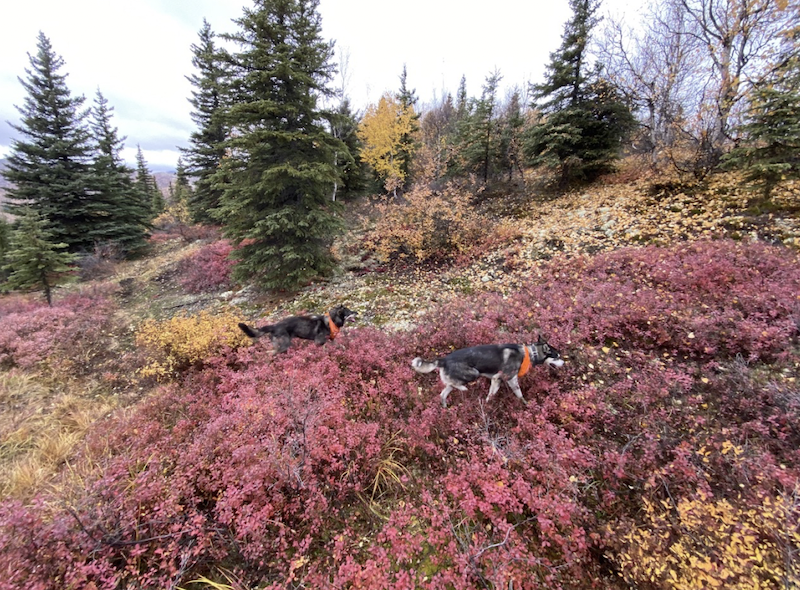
255 332
422 366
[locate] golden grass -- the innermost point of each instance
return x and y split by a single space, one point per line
45 415
42 422
232 582
22 477
388 470
54 448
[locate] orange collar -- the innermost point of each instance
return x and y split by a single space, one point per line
526 362
333 327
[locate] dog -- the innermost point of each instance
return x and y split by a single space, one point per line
319 328
508 362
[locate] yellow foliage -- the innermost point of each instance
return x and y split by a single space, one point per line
427 225
184 341
707 543
382 129
176 214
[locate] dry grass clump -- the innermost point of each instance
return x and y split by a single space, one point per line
42 422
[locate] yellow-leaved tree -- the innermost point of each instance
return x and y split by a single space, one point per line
382 131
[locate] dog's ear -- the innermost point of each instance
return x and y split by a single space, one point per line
541 340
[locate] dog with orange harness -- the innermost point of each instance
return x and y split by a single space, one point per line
319 328
507 362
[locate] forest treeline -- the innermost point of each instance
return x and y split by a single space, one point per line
696 86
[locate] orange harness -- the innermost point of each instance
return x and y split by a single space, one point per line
334 328
526 362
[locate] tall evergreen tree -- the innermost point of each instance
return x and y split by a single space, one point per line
182 193
457 138
49 166
568 71
207 143
584 119
478 131
408 101
510 144
157 201
276 204
119 214
146 187
34 259
5 236
769 150
462 100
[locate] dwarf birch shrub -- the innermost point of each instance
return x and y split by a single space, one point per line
703 542
185 341
428 225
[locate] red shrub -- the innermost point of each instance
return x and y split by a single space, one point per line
207 269
16 303
336 466
74 334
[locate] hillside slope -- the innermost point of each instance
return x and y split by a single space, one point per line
664 454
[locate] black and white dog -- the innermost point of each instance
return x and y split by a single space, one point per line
319 328
508 362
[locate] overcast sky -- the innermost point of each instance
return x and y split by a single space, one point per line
138 53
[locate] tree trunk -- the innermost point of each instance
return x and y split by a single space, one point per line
47 290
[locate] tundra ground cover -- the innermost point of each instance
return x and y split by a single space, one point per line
664 454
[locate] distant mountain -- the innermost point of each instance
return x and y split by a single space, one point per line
164 179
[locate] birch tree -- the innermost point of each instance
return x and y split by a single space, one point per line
382 131
738 37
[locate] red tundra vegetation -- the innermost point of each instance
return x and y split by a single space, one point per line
664 454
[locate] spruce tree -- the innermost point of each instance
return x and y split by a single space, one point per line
458 138
146 189
478 132
157 202
568 71
182 193
5 236
278 179
462 100
583 119
408 100
119 215
769 150
49 165
207 142
510 144
34 259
